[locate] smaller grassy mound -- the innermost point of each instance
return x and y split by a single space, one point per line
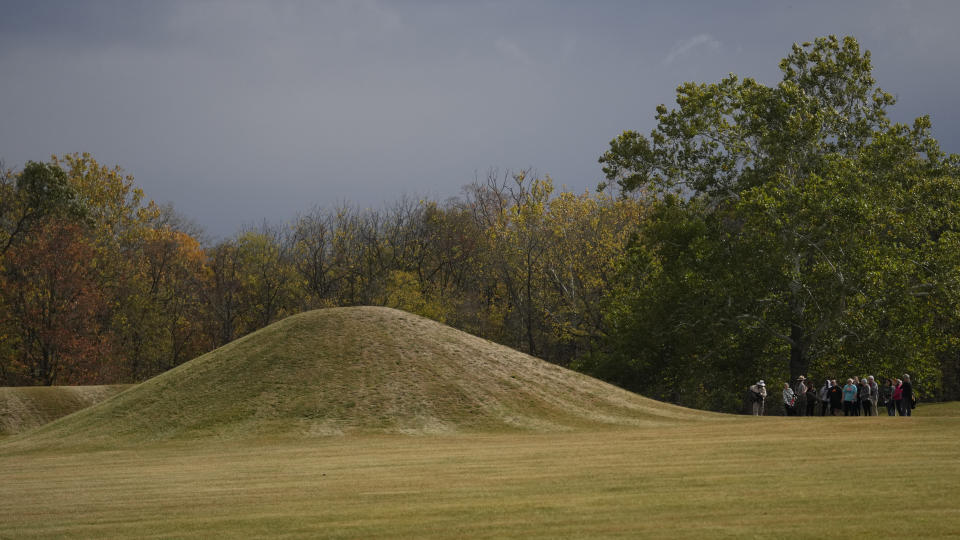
25 407
947 409
357 370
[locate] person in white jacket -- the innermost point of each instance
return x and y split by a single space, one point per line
758 394
789 400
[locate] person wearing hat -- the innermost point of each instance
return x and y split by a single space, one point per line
800 391
758 393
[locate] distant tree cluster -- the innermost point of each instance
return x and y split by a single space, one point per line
758 232
100 286
96 285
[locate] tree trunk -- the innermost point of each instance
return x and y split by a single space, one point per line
799 362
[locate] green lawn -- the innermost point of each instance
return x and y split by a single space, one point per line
746 478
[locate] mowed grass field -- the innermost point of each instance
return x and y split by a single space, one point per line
372 423
750 478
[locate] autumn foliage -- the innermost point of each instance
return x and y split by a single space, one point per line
101 285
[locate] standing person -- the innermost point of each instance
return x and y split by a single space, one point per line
850 391
874 394
811 399
825 398
758 394
801 394
898 396
836 398
789 400
856 398
886 396
907 395
863 394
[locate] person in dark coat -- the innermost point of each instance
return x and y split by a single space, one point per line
811 399
824 397
886 396
856 397
836 398
907 395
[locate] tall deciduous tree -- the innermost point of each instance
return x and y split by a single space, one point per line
40 191
52 295
779 237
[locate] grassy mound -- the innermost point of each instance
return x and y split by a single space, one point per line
943 409
356 370
26 407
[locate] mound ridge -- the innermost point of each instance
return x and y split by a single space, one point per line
356 370
25 407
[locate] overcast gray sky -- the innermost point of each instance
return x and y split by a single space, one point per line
240 111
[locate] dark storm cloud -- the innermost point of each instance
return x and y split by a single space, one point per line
239 111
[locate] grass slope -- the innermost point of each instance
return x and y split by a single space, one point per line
26 407
356 370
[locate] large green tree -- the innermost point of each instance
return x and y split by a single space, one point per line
787 233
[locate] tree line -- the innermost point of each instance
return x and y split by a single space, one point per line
100 285
757 232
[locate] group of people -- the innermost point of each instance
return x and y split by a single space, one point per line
859 397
